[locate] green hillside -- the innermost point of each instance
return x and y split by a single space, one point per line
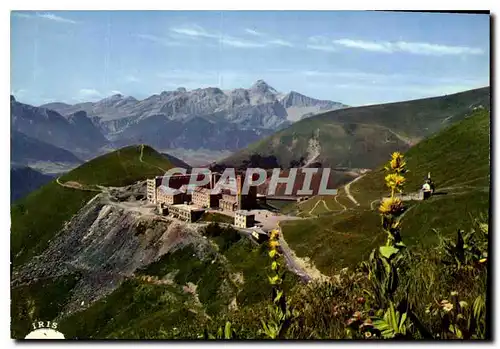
121 167
363 136
140 309
174 297
458 159
40 215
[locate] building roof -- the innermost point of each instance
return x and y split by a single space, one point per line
229 198
187 207
204 190
245 213
169 191
188 187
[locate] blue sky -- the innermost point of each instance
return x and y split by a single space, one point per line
357 58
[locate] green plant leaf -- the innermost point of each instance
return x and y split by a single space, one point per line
278 296
388 251
227 330
402 323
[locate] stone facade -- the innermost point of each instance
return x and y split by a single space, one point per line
172 197
152 185
228 202
203 197
184 212
244 219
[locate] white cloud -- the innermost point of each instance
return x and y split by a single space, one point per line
47 15
158 39
270 41
235 42
116 92
321 48
420 48
280 42
21 15
86 94
193 30
254 32
433 49
55 18
320 43
365 45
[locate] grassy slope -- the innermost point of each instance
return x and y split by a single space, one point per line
39 216
120 167
458 159
140 310
41 301
360 137
216 217
133 310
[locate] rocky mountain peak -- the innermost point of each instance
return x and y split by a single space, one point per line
263 87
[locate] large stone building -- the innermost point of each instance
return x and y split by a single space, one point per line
152 184
169 196
176 182
244 219
228 202
233 199
188 213
203 197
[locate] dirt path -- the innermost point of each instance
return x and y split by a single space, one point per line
402 138
337 201
373 202
315 205
348 192
326 206
75 185
147 163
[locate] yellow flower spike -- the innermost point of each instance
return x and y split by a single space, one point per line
394 180
273 236
397 164
391 206
273 244
396 155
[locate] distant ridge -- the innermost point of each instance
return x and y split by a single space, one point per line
361 137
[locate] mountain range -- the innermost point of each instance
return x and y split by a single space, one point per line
207 118
256 123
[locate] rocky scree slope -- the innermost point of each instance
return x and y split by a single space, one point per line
110 238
